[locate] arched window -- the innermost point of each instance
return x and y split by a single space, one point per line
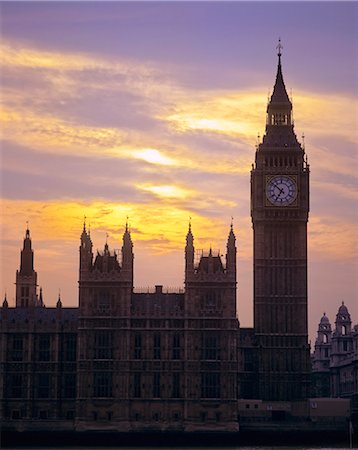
344 330
325 339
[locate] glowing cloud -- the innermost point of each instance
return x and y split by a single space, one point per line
153 156
167 191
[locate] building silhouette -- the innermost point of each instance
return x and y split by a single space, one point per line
335 358
175 361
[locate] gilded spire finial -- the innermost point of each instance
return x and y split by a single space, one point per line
279 47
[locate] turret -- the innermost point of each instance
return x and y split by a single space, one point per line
322 348
342 338
26 277
41 302
321 359
189 252
343 321
5 303
127 254
27 256
86 254
324 331
231 253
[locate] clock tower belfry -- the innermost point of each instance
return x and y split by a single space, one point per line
279 212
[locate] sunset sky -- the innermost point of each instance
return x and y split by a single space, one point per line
152 111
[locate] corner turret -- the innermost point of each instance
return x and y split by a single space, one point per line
127 255
231 253
189 252
86 253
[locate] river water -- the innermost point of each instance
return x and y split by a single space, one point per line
298 447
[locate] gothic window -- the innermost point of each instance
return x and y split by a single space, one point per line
15 383
210 385
156 347
176 385
326 352
137 385
104 301
344 330
44 353
345 346
210 346
137 346
102 384
103 345
43 385
176 346
325 339
17 347
156 385
70 385
248 360
70 347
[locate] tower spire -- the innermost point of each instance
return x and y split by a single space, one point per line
26 277
279 94
279 48
279 108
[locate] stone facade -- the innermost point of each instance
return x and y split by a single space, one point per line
123 360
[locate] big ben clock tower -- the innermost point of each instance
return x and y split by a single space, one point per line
279 212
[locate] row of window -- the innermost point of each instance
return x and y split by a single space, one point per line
17 349
42 414
157 354
16 386
210 385
286 161
103 346
103 385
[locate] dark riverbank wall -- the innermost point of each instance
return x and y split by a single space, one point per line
268 437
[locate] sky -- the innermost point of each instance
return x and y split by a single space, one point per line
152 111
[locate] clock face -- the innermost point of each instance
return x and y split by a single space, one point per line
281 190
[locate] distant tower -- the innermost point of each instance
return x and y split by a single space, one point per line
342 336
26 277
321 359
342 349
279 211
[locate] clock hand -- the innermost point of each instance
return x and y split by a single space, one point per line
281 191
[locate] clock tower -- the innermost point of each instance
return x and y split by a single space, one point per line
279 212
